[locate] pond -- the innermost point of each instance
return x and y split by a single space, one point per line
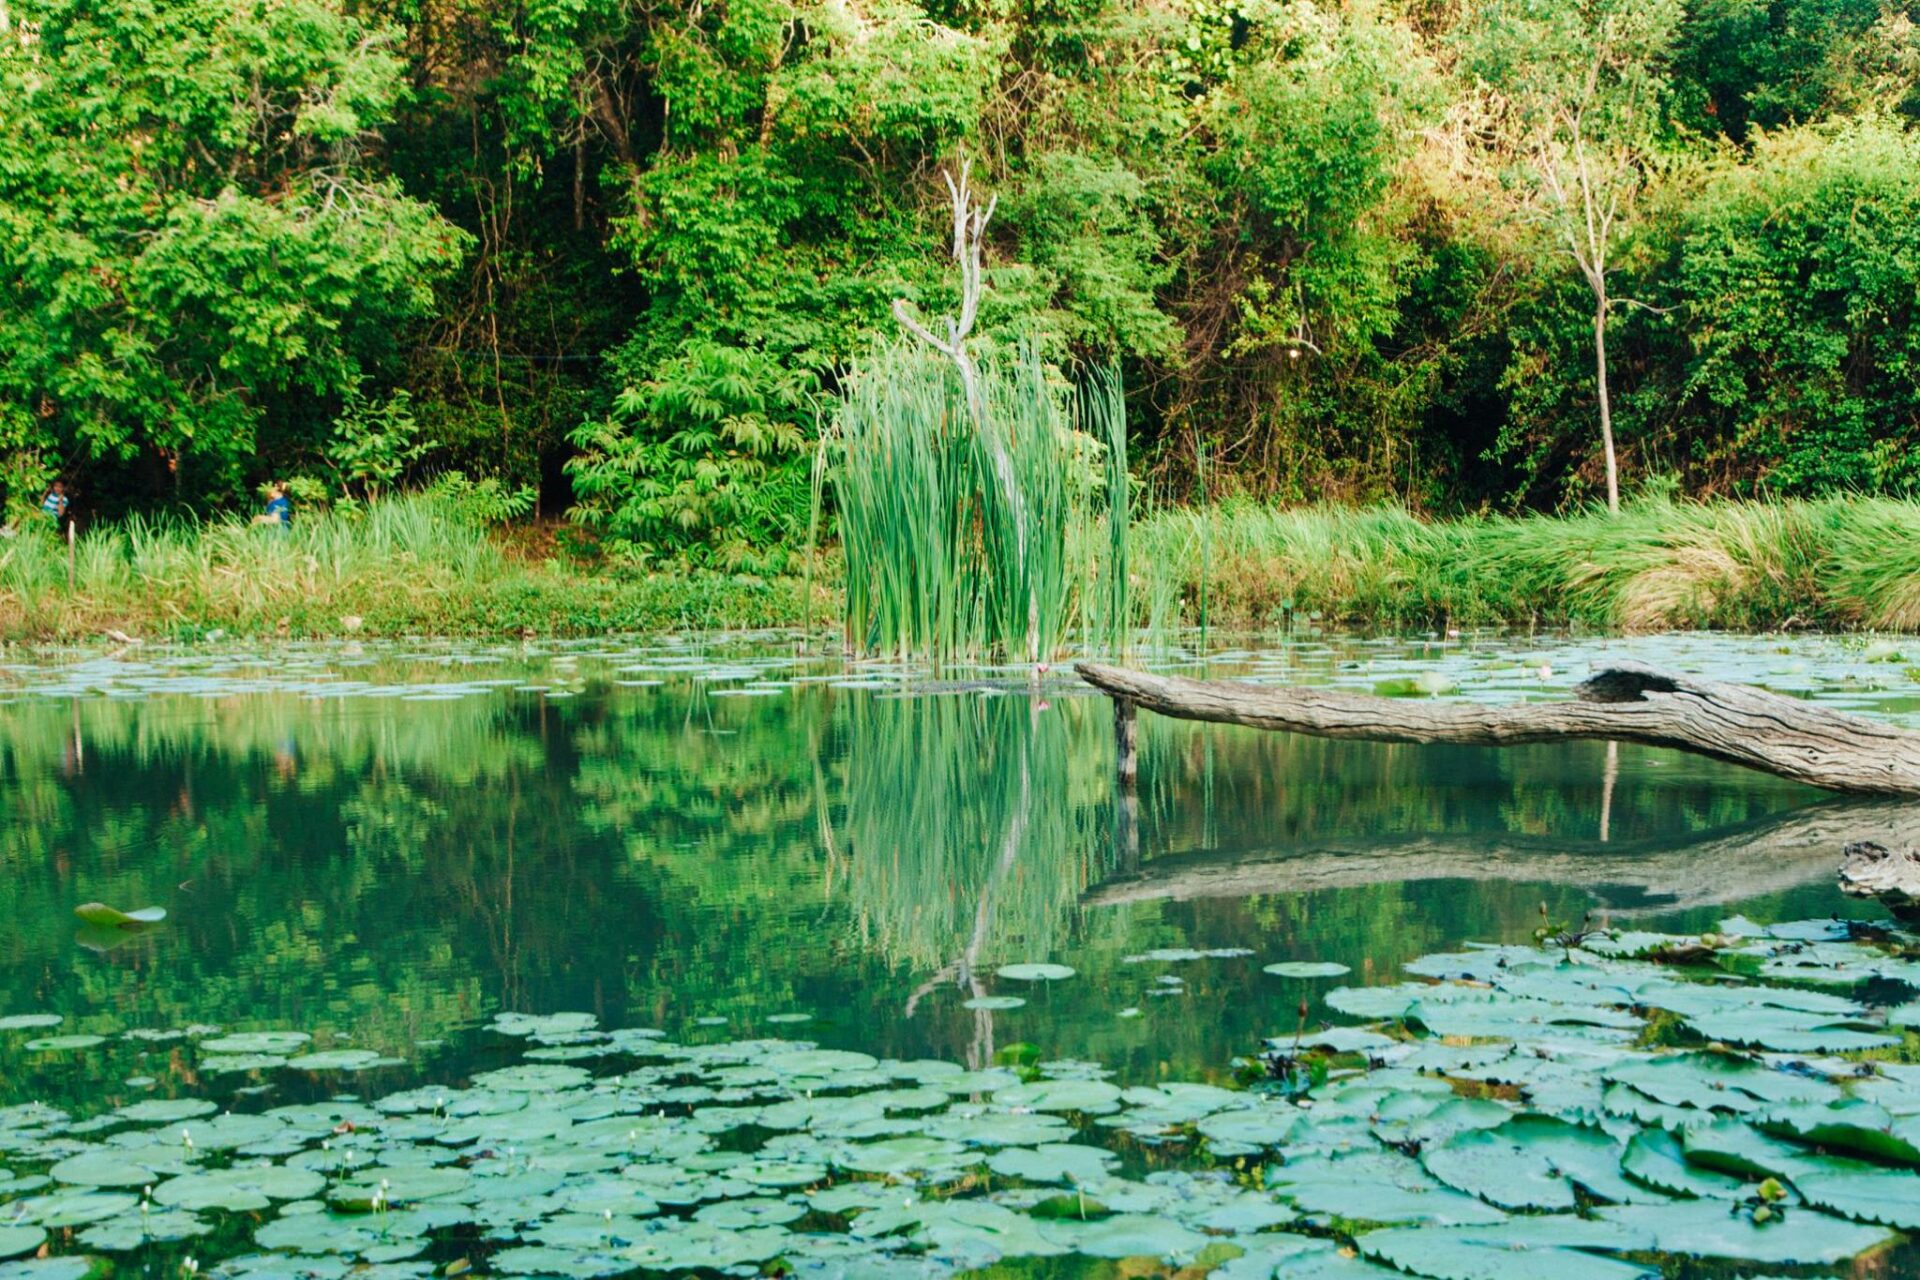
739 840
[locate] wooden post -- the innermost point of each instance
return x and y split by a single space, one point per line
1126 804
1126 741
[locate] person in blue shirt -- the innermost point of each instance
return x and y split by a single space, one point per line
279 508
54 505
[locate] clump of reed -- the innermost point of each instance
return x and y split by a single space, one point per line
996 527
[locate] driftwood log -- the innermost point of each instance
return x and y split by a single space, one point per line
1626 702
1874 871
1627 878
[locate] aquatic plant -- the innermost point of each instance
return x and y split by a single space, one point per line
973 525
1509 1113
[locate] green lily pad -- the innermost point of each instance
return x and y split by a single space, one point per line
1852 1126
1034 972
1542 1249
30 1021
1861 1191
71 1267
132 1231
1130 1235
102 1169
71 1208
1094 1097
1053 1162
166 1110
238 1189
15 1241
993 1003
339 1060
1306 969
59 1044
251 1042
1654 1158
1806 1237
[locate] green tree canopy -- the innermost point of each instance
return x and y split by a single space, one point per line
190 221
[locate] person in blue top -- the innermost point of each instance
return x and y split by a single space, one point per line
54 505
279 508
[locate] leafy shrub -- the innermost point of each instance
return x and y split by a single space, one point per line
705 460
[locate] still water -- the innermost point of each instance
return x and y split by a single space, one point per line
386 846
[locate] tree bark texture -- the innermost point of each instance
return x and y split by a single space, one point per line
1626 702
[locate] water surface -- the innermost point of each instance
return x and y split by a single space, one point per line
386 846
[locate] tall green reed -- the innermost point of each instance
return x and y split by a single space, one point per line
968 535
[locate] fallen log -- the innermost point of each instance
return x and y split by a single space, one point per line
1626 702
1874 871
1703 869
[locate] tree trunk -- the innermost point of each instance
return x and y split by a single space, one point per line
1606 402
1705 869
1874 871
1626 702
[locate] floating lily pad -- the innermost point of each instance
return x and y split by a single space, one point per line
1807 1237
238 1189
1053 1162
30 1021
166 1110
101 1169
1306 969
252 1042
132 1231
15 1241
1541 1249
1090 1096
60 1044
993 1003
1034 972
339 1060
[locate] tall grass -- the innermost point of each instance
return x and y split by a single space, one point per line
965 538
1657 565
410 564
188 569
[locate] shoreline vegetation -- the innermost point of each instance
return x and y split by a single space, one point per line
418 565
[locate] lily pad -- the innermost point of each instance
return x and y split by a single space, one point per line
15 1241
1306 969
1034 972
238 1189
59 1044
1805 1238
30 1021
1094 1097
1542 1249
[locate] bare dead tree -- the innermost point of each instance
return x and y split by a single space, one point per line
969 239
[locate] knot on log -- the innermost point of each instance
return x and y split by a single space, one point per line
1624 684
1875 871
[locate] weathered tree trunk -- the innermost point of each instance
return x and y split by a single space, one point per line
1626 702
1874 871
1706 869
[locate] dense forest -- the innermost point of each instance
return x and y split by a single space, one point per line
622 253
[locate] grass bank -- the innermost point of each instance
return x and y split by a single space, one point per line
417 566
412 565
1658 565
